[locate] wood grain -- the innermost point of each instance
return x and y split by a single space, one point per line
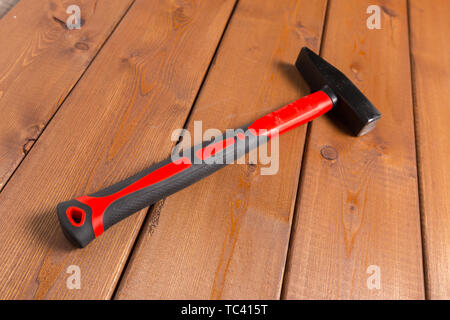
40 62
359 207
117 121
226 237
430 50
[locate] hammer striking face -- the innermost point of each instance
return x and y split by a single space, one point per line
85 218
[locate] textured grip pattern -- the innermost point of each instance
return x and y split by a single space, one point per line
129 203
134 202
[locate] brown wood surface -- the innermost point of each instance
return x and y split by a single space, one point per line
430 52
358 201
229 236
40 62
226 237
115 122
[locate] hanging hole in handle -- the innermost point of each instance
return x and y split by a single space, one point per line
76 216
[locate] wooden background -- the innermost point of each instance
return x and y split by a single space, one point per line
6 5
82 109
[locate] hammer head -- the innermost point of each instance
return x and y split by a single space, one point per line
352 107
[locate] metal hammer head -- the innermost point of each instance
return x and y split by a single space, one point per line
352 107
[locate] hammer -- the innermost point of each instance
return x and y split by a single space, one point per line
86 218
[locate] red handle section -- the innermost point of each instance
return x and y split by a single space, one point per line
98 205
293 115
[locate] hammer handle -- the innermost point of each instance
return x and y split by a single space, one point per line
85 218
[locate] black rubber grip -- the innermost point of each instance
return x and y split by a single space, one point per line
85 218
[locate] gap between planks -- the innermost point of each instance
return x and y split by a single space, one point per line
429 51
305 150
421 208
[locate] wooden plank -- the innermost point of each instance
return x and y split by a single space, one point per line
40 62
430 50
226 237
116 122
358 201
